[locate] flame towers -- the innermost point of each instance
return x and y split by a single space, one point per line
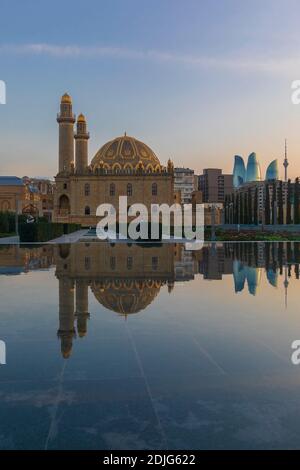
272 172
252 172
239 171
253 169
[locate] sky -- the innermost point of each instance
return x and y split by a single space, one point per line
197 80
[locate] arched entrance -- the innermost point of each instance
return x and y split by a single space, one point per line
64 205
5 206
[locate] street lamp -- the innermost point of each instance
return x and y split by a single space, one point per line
17 217
213 228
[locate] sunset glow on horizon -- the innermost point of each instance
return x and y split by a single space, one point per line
199 82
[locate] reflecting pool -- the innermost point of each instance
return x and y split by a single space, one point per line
124 346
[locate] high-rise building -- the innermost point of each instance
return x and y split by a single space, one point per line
184 181
239 171
215 185
272 172
253 172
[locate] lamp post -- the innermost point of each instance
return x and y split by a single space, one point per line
213 228
17 217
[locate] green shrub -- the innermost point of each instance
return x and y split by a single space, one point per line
4 222
44 231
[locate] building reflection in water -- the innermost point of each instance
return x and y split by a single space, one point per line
251 274
126 278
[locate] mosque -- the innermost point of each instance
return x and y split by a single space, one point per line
123 166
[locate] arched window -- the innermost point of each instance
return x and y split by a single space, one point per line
87 210
86 189
129 189
116 167
5 206
154 189
87 263
129 262
112 263
112 189
154 263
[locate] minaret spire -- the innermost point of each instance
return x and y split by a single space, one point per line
81 144
66 121
285 162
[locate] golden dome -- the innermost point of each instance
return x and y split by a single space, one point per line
66 98
126 152
126 296
81 118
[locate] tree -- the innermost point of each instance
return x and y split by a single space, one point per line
240 208
289 203
255 208
280 204
232 209
245 207
4 222
274 204
236 209
226 209
296 202
267 205
250 209
228 205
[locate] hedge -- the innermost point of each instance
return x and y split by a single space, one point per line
44 231
8 221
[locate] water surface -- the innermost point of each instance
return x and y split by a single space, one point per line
115 346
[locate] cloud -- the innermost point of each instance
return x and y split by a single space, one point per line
71 51
258 64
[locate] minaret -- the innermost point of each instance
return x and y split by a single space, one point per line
66 121
82 307
66 331
81 145
285 162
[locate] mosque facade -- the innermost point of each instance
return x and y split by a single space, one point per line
123 166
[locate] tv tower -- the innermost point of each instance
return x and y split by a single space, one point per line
285 162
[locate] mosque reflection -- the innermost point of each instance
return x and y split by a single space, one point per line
126 278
